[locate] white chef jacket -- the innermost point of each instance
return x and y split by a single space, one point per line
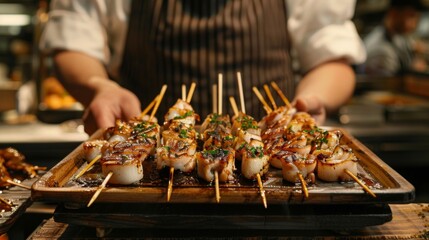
319 30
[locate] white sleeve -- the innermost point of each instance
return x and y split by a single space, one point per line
322 31
77 25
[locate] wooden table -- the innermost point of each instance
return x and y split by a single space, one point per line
410 221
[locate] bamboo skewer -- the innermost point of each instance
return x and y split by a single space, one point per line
149 107
100 188
18 184
183 92
360 183
261 190
170 184
219 111
240 90
234 106
280 93
85 169
258 176
191 92
261 98
217 191
37 168
220 93
270 96
6 202
188 98
303 185
214 98
159 99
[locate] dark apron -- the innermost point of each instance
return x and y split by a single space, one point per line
177 42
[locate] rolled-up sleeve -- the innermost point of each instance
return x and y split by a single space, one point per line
322 30
76 25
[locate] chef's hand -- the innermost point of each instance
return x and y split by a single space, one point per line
110 102
313 106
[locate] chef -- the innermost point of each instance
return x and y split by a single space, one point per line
114 56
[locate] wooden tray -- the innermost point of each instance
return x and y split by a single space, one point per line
387 184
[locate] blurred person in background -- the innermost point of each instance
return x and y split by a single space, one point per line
393 48
144 44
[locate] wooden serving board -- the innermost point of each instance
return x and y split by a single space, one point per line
390 187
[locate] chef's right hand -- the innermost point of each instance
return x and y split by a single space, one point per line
110 102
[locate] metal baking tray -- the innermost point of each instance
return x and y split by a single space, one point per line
389 186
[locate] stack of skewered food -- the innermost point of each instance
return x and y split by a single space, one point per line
178 144
124 148
218 154
13 169
302 150
12 163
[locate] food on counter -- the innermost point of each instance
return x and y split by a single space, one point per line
14 162
55 96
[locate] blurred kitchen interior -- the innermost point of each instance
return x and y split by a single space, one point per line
388 114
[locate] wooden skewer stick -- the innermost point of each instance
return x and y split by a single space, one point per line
170 184
280 93
214 98
149 107
303 185
161 95
6 202
261 98
191 92
100 188
270 96
258 176
240 89
217 191
18 184
220 93
37 168
234 106
360 183
219 111
261 190
183 92
85 169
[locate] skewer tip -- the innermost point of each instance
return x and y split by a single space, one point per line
170 184
217 191
365 188
262 190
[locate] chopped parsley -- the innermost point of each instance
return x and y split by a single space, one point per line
187 114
